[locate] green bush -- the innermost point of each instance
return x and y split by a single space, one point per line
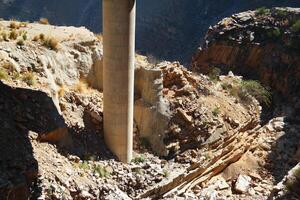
29 78
274 33
3 74
262 11
139 159
102 171
214 74
244 88
281 13
216 111
84 165
255 89
296 26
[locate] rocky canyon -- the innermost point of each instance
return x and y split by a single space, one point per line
216 102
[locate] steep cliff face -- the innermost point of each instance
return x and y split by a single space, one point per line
262 44
176 26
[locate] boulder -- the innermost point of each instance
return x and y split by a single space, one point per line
242 184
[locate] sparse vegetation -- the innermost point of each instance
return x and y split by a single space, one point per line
139 159
99 36
36 38
4 35
244 88
3 74
23 24
84 165
51 43
257 90
42 36
101 171
262 11
13 35
29 78
81 86
281 13
43 21
16 75
24 35
296 26
61 91
20 42
14 25
275 33
216 111
214 74
166 173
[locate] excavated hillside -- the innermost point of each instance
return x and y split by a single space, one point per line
193 138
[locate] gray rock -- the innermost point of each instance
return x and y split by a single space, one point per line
242 184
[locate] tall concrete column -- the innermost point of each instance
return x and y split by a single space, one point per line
118 75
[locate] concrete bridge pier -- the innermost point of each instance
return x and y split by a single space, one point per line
118 75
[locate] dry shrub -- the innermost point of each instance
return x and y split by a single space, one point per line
20 42
14 25
23 24
29 78
13 35
82 86
8 66
4 36
99 36
51 43
44 21
3 74
36 38
42 36
61 91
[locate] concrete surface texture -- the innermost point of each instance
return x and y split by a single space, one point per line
118 70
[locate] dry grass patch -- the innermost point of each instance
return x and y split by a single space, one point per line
82 86
51 43
29 78
4 36
43 21
20 42
61 92
13 35
99 36
42 36
3 74
36 38
14 25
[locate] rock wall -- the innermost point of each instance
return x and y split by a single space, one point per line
263 46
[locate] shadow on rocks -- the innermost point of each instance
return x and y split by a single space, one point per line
283 154
88 141
21 112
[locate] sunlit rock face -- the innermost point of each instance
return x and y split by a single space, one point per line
168 29
257 46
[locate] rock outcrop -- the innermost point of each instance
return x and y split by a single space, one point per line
261 44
